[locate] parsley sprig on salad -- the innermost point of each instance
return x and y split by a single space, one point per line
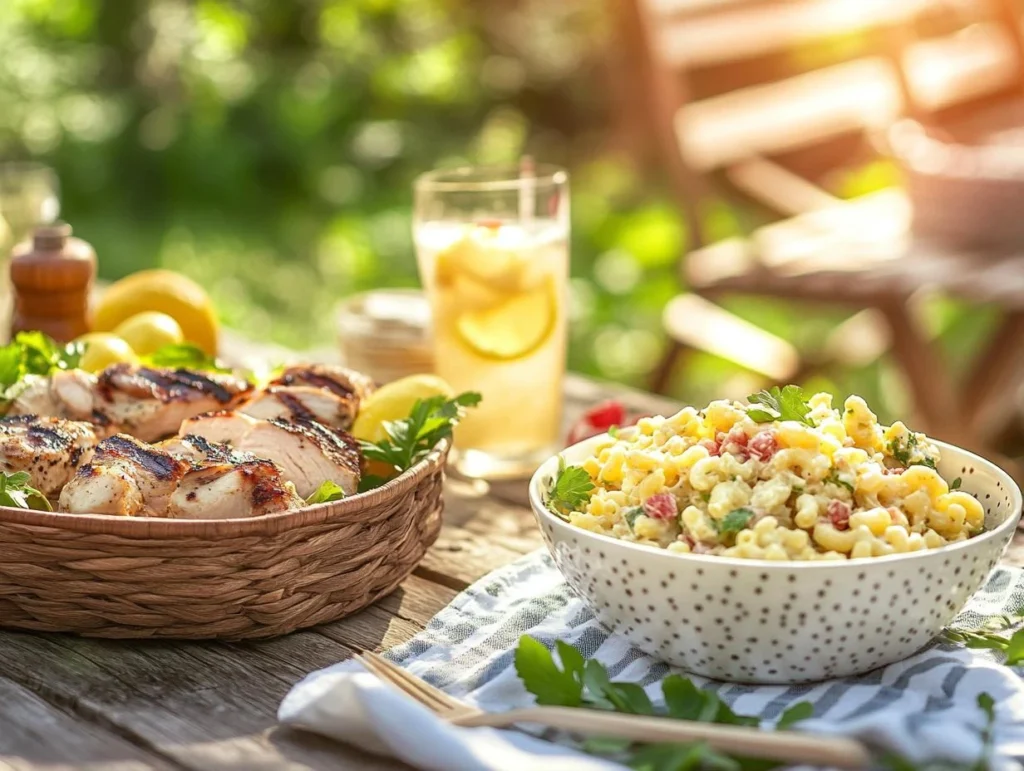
786 403
570 488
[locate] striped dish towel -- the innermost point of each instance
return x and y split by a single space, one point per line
923 708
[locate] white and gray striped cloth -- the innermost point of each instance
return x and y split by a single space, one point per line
923 708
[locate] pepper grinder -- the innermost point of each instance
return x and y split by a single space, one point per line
52 275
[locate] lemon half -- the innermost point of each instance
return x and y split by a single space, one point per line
514 328
165 291
394 401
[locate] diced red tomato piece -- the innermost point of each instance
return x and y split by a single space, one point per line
661 506
839 513
606 415
763 446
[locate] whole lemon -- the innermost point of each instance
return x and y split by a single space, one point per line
102 350
394 401
165 291
150 331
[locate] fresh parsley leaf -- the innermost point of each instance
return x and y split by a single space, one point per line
410 440
613 432
955 484
542 677
585 683
833 478
802 710
569 489
15 491
734 521
1015 648
325 493
183 355
33 353
786 403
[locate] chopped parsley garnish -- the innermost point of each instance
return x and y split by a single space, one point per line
786 403
734 521
903 451
570 488
631 514
834 479
955 484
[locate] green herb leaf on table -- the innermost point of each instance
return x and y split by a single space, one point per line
786 403
570 488
325 493
803 710
550 684
410 440
15 491
734 521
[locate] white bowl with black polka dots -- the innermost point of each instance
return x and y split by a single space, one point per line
757 621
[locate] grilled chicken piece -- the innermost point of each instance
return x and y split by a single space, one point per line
314 392
125 477
49 449
145 402
186 478
308 453
151 403
66 394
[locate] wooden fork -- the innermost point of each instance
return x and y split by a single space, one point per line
785 746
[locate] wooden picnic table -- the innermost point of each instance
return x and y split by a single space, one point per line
68 702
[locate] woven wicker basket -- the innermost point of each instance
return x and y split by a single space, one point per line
104 576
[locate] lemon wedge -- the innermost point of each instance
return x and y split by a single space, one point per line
513 328
394 401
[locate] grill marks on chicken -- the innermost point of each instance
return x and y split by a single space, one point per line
49 449
308 452
126 477
184 478
151 403
321 393
237 453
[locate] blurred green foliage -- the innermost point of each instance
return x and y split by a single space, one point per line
267 148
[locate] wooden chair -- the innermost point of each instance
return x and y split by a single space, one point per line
750 139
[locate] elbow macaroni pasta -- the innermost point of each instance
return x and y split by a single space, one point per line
834 486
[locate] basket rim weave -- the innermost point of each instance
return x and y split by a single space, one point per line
271 524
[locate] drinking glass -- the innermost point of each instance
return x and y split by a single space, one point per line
492 245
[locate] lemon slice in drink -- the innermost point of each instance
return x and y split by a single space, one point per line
513 328
480 257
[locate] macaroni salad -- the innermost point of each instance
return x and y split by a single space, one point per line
783 478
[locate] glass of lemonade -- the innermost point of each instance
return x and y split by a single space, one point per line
493 251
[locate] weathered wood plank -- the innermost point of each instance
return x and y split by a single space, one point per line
34 733
460 557
202 705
